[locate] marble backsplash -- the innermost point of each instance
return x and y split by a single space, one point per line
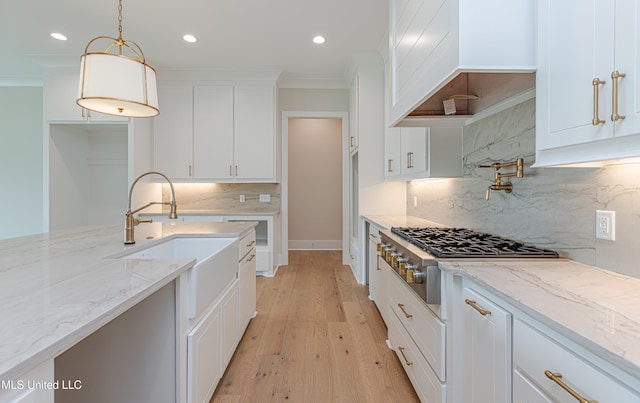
550 207
225 196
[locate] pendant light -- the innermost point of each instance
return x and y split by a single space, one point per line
119 83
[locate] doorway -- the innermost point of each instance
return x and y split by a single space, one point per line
313 206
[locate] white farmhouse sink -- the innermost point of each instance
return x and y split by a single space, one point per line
216 265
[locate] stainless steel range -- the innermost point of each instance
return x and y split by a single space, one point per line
414 253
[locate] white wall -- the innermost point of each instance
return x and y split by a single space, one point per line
315 183
20 161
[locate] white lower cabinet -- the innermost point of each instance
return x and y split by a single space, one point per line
247 281
550 371
203 352
487 349
416 335
230 332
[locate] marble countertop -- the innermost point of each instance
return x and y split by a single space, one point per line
598 309
57 288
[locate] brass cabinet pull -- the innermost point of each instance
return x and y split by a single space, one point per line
350 141
250 244
236 170
190 173
557 378
473 305
389 168
596 119
409 363
614 92
251 257
406 314
230 170
409 159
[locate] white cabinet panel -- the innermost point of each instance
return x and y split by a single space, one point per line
576 90
254 133
203 352
487 349
230 332
213 131
413 150
173 132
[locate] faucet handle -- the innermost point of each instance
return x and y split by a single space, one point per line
137 221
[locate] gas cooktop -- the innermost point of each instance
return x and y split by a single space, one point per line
467 243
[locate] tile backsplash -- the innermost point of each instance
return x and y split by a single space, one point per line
550 207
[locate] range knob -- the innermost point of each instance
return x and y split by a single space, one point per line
410 274
419 276
380 247
402 265
387 253
394 259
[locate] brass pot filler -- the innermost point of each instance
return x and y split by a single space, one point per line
497 179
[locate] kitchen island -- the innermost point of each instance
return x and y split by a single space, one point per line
58 288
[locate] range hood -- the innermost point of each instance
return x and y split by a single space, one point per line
474 92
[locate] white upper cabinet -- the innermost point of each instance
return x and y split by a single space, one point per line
422 152
213 131
431 42
254 141
60 94
354 102
223 133
173 132
588 97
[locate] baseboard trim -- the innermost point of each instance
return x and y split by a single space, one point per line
315 245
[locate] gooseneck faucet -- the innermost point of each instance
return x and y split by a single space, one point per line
497 177
130 221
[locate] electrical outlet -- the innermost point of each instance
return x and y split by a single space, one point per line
265 198
606 225
415 201
242 199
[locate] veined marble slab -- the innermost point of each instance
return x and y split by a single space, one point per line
387 221
57 288
598 309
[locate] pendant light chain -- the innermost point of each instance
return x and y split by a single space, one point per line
120 18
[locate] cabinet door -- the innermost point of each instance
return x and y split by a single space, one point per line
247 280
254 133
373 265
392 152
203 355
213 132
487 350
575 46
526 391
173 132
413 150
627 61
353 109
230 326
60 95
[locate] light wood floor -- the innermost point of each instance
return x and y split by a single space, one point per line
317 338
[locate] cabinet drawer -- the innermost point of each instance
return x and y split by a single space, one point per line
423 326
424 380
247 243
535 353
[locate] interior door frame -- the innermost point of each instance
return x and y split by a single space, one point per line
283 259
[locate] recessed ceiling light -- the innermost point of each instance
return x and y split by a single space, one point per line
318 39
58 36
189 38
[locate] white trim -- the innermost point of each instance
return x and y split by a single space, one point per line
344 116
315 245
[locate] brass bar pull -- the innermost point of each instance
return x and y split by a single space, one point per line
473 305
596 120
389 168
230 170
409 159
406 314
350 141
614 113
190 172
557 378
251 258
409 363
250 244
236 170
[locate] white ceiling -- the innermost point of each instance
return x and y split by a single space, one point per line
232 34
